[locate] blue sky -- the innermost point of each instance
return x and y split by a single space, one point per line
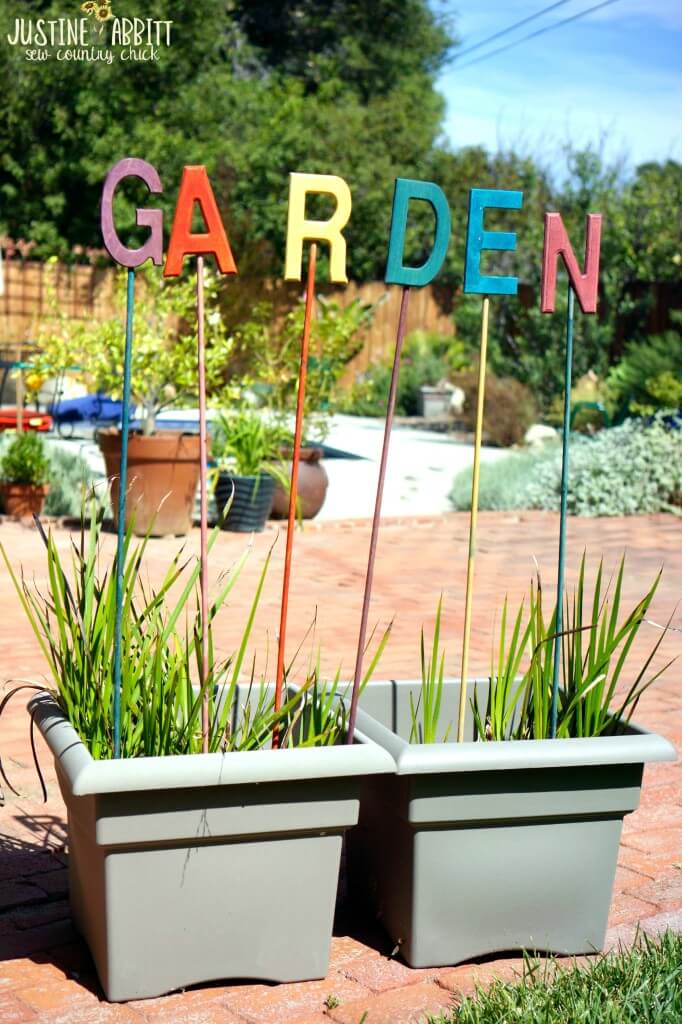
616 72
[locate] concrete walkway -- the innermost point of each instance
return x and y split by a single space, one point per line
421 469
46 974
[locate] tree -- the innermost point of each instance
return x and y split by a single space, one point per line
253 91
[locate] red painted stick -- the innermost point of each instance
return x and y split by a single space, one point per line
293 491
376 521
203 518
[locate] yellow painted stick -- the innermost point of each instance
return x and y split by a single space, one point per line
473 519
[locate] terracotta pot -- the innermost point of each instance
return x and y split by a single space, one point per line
23 500
163 471
312 486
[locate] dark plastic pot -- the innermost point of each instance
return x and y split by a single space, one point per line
251 504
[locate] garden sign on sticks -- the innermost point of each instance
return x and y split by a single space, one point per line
194 188
476 283
130 258
300 229
397 273
585 286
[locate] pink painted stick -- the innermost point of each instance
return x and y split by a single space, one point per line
203 518
376 521
293 490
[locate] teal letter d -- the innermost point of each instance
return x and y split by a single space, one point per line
396 272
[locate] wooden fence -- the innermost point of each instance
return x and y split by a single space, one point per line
82 292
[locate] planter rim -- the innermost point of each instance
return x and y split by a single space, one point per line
9 485
184 771
159 433
636 746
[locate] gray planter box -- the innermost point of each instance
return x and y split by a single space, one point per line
478 848
193 868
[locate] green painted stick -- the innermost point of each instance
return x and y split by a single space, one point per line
568 372
473 519
122 487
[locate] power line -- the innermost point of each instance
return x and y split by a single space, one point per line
506 31
534 35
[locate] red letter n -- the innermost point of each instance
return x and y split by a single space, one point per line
557 244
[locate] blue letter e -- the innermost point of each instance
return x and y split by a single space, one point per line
478 239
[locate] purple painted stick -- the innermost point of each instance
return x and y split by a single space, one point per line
390 409
203 518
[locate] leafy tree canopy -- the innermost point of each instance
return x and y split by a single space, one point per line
252 90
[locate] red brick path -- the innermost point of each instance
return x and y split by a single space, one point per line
45 971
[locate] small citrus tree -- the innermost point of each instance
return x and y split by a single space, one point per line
164 353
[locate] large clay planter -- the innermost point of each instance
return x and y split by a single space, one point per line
312 487
193 868
473 848
163 472
23 500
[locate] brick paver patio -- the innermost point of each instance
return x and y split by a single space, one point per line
45 971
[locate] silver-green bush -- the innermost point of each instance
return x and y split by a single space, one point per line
632 469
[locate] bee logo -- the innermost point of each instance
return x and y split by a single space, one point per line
100 9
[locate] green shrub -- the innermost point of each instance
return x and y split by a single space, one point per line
70 479
642 985
649 376
509 411
427 359
25 461
246 442
504 482
368 394
267 354
632 469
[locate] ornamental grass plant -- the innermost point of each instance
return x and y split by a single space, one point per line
595 646
425 711
73 622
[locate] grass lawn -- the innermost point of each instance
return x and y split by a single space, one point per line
642 985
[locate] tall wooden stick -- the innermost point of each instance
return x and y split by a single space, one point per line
473 519
203 516
376 520
293 489
122 489
568 373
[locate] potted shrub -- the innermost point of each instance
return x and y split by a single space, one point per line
24 472
187 866
163 465
510 839
246 448
267 352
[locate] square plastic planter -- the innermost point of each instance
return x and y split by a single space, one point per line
193 868
481 847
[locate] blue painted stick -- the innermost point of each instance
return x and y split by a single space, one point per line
562 518
122 487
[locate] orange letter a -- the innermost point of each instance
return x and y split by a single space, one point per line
196 188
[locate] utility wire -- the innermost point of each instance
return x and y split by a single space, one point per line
506 31
534 35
